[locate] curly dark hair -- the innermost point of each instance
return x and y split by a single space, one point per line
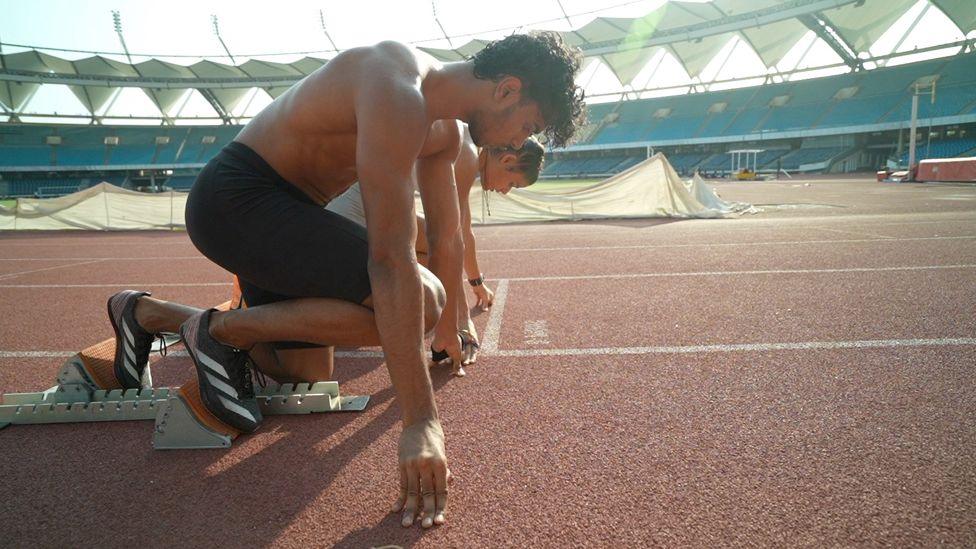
547 68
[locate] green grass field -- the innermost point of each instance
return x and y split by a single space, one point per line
6 203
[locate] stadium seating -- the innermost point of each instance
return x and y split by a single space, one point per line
692 121
879 95
942 149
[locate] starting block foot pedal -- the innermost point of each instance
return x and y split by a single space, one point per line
92 369
177 428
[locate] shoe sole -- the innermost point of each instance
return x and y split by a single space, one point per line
190 393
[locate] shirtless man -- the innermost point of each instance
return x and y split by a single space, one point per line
256 210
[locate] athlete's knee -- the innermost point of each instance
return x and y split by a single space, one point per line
434 298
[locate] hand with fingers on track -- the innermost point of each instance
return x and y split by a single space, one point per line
469 344
424 474
485 298
450 344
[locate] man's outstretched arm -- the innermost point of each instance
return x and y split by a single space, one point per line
435 177
391 126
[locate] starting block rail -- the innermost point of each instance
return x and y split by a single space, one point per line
75 399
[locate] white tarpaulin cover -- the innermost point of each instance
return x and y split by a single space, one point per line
649 189
101 207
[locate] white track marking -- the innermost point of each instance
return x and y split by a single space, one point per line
737 273
123 285
675 349
722 245
880 238
180 353
548 278
859 233
693 349
536 332
489 344
157 258
12 275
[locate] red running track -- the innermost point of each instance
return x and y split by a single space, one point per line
798 377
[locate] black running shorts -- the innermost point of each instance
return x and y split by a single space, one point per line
246 218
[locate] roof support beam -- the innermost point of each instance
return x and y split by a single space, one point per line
212 99
836 43
788 9
144 82
911 28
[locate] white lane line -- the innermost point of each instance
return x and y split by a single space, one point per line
859 233
489 344
84 239
155 258
685 349
736 273
12 275
678 349
725 244
504 282
123 285
181 353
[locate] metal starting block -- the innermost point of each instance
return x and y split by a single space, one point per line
75 399
178 429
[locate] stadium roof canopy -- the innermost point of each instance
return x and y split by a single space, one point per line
694 33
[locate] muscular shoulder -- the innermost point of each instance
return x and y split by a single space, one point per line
444 138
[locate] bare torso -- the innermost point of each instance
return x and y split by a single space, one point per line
308 134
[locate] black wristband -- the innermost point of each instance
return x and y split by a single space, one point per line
476 281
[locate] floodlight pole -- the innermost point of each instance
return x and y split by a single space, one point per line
433 6
117 23
216 30
326 31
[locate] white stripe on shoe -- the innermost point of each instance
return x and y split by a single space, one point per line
128 335
237 409
129 360
212 364
227 389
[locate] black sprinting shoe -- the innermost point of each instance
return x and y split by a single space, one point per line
226 389
132 341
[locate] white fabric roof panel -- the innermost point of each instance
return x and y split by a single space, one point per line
211 69
230 98
275 91
961 12
627 64
14 95
861 24
774 40
308 65
37 62
101 66
165 99
696 54
93 97
267 69
858 23
154 68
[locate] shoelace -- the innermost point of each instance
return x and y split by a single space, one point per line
262 379
163 347
242 372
